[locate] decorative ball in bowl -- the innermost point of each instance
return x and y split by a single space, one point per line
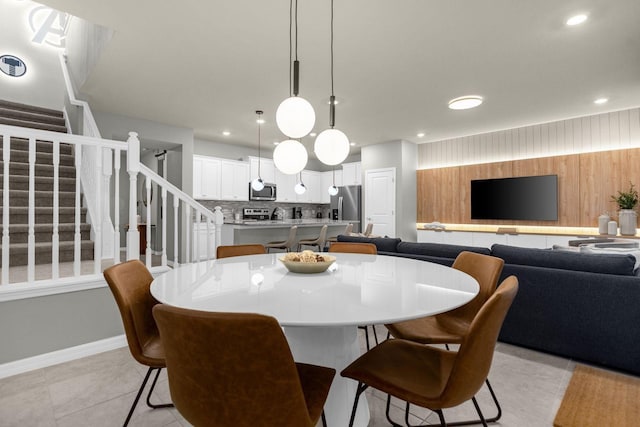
307 262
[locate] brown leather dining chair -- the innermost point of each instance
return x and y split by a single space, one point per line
431 377
358 248
129 282
238 250
451 327
285 244
236 369
354 248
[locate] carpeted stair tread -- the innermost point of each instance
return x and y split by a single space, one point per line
19 233
27 116
43 183
22 144
32 125
20 215
9 105
41 198
20 156
31 116
18 253
40 169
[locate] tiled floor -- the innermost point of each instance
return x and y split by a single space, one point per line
97 391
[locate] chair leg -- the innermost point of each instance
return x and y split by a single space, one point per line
483 420
135 401
443 422
153 384
406 414
475 403
324 420
366 335
361 388
375 334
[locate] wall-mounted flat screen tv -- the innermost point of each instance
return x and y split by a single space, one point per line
529 198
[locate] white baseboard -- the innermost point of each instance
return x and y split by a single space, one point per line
59 356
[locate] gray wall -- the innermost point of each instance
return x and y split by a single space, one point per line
33 326
401 155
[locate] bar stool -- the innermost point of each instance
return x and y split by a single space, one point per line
368 230
319 241
347 231
286 244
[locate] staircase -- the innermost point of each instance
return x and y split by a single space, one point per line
39 118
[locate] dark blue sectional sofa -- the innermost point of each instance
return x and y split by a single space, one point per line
581 306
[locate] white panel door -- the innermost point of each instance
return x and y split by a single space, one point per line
380 201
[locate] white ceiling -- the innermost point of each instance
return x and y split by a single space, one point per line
208 65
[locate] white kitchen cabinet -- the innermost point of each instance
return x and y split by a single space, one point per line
285 184
267 169
313 181
203 241
206 178
352 173
234 180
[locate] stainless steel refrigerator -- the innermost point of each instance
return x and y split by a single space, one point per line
347 205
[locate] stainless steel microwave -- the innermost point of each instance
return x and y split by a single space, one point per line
267 193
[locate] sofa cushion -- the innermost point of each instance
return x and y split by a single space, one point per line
438 249
384 244
594 263
436 259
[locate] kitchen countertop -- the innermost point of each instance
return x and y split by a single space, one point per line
280 223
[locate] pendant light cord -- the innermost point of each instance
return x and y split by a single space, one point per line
332 98
332 94
290 47
259 113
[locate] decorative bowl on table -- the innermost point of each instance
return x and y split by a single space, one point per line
307 262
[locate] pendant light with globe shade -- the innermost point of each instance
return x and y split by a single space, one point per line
258 184
333 190
332 145
295 116
300 188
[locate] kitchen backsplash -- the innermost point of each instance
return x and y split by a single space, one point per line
231 208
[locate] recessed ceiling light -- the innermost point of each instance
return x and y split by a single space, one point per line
465 102
601 101
312 134
421 134
353 144
576 19
261 121
276 142
226 133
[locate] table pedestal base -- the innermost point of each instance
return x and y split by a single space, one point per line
335 347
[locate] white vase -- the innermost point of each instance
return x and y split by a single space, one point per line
628 222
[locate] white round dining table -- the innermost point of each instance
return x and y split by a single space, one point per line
320 312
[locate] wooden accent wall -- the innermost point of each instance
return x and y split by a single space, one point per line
586 183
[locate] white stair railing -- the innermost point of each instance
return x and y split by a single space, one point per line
78 144
192 212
